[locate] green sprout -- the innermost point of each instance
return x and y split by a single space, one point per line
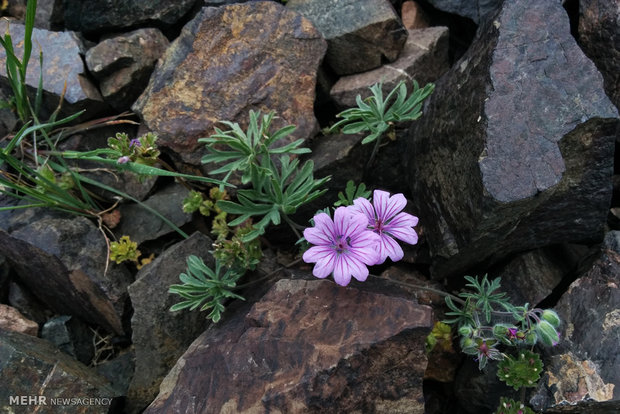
205 288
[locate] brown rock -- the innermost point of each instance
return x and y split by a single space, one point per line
123 64
360 33
413 16
229 60
307 346
12 320
424 58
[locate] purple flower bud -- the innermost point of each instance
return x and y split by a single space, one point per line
134 142
123 160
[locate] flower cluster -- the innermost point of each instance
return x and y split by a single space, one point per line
359 235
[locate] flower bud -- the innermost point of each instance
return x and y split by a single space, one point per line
466 330
550 316
547 333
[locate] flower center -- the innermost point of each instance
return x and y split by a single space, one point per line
378 226
341 243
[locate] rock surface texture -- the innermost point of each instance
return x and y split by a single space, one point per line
160 336
62 261
62 67
360 33
33 367
423 59
476 10
307 346
107 15
488 182
585 366
227 61
123 64
599 36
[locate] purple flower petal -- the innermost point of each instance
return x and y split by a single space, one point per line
342 271
385 206
363 206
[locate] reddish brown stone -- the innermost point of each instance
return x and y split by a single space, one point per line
12 320
413 16
307 346
227 61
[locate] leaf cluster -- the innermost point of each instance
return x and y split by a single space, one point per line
376 114
124 250
205 288
521 371
510 406
278 186
142 150
351 193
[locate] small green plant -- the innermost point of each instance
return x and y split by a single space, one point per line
509 406
487 322
124 250
279 188
351 193
16 69
206 288
377 115
521 371
440 336
237 253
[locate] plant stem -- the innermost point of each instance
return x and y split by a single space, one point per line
374 152
420 287
294 226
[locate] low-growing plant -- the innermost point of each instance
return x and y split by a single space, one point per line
377 115
206 288
277 187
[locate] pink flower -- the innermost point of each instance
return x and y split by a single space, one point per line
123 160
387 220
343 246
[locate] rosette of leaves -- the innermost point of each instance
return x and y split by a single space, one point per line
206 288
521 371
242 255
478 304
510 406
277 189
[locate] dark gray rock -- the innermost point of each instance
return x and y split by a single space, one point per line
360 33
62 262
159 336
306 346
123 64
513 151
476 10
62 68
599 37
96 16
141 225
118 371
32 367
227 61
71 336
424 58
585 367
22 300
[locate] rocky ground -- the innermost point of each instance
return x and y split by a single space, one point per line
511 171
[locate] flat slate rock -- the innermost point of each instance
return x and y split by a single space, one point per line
513 151
227 61
306 346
